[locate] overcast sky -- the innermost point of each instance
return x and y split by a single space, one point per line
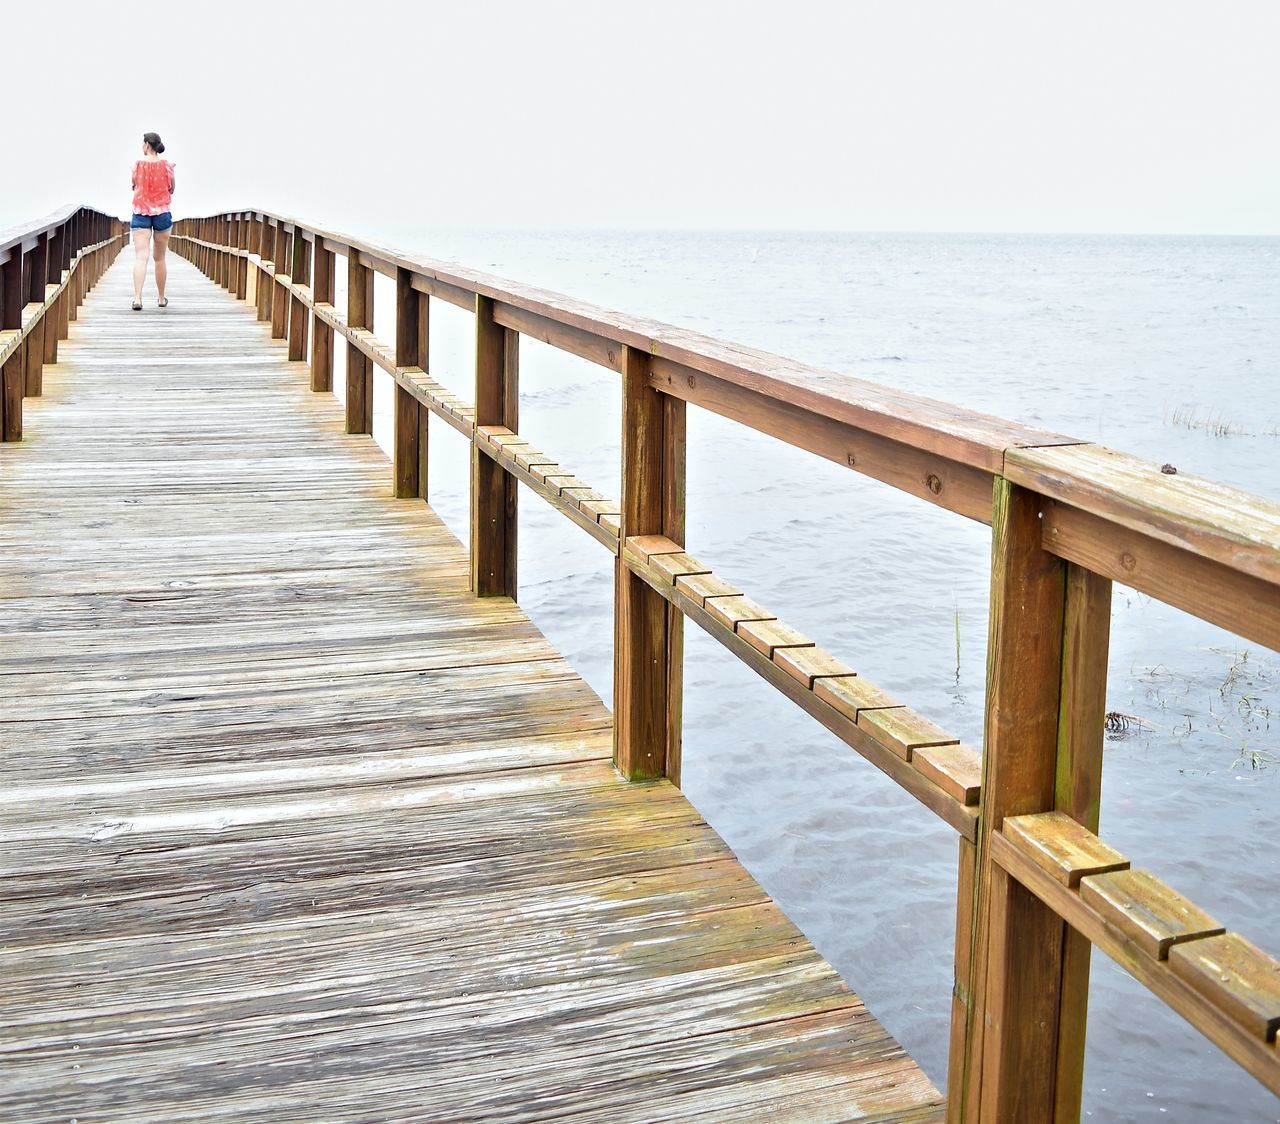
1150 115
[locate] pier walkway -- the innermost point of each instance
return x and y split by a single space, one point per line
294 826
302 819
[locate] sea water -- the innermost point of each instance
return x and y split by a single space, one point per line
1168 348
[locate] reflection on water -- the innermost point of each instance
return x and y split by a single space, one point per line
1165 347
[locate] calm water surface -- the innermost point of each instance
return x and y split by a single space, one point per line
1164 347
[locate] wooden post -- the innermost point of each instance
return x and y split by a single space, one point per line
648 633
228 225
12 384
266 252
37 272
493 490
12 376
1086 635
64 265
412 328
279 295
225 260
242 262
359 366
49 326
321 333
300 274
51 313
77 277
1005 1031
260 242
252 272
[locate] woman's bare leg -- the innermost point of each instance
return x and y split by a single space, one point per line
158 247
141 242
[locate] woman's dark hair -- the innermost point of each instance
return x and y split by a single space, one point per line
153 139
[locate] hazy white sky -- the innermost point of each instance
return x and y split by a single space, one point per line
1099 115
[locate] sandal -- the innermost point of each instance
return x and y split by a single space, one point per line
137 306
163 302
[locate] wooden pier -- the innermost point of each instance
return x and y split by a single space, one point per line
296 827
302 818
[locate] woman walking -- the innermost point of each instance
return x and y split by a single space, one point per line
152 191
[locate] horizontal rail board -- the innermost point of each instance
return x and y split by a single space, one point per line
451 409
1224 1023
24 236
949 484
576 341
555 485
1211 590
762 644
948 431
1213 521
450 294
937 452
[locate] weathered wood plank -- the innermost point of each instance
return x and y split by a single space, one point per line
1148 912
1010 1034
1237 977
643 671
1234 599
1202 1007
412 350
1206 519
1068 851
286 809
494 496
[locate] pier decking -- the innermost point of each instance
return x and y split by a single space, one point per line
293 826
301 818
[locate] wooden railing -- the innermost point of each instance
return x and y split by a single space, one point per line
46 269
1036 886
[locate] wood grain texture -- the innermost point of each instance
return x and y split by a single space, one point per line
1238 1032
409 456
1202 517
1086 639
300 274
956 769
12 385
1234 975
279 296
757 638
1234 599
359 367
494 512
322 289
641 673
1014 991
953 434
294 828
1062 847
1153 916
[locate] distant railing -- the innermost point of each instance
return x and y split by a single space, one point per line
1036 886
45 271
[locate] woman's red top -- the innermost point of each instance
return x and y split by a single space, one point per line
152 187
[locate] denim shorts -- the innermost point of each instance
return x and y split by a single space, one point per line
154 222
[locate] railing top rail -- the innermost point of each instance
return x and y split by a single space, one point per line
828 412
958 434
23 233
